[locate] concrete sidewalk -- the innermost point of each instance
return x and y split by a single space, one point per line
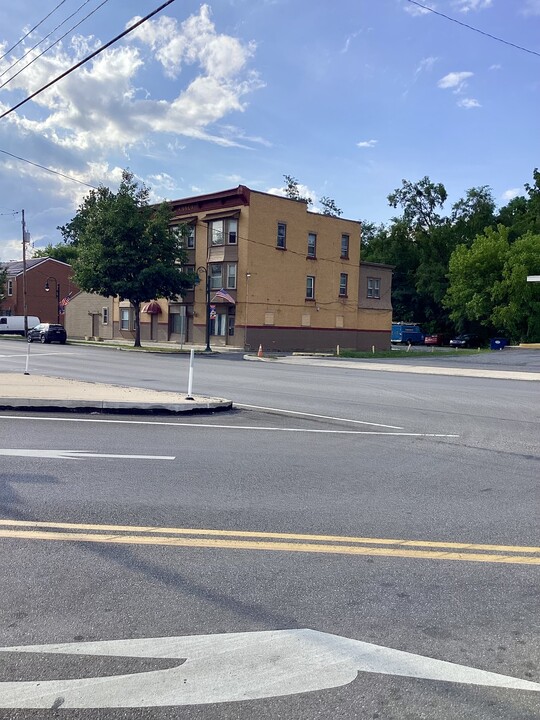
26 392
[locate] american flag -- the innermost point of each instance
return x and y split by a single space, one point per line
224 295
63 302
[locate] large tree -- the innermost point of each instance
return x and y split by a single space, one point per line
126 247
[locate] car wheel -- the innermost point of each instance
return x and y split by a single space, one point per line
28 338
43 339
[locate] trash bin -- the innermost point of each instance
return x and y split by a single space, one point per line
498 343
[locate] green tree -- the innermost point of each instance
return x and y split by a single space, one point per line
292 191
517 302
475 276
63 251
126 248
419 202
329 207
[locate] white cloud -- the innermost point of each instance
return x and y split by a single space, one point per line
511 193
416 10
303 190
531 7
455 80
496 66
466 6
469 103
366 143
348 41
426 64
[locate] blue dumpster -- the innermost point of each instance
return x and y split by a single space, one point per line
498 343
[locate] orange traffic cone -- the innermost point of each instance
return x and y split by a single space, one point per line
260 353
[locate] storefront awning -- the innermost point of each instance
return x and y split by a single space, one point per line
152 308
221 215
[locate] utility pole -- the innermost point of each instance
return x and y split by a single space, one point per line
25 305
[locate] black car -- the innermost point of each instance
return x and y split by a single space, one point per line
468 340
46 333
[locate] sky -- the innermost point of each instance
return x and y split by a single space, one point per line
349 97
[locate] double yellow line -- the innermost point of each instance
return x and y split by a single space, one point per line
277 542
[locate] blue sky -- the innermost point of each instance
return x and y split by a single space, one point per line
350 97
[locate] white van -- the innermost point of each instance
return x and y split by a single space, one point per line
14 324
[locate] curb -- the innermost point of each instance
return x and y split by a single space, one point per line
119 408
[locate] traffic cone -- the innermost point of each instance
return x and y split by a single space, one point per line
260 353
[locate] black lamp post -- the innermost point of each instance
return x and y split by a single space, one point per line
204 270
47 289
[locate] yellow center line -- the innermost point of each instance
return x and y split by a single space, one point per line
402 543
266 545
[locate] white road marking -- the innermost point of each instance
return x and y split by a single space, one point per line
231 427
77 455
233 667
313 415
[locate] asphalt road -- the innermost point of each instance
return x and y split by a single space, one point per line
375 491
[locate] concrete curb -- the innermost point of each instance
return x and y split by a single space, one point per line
125 408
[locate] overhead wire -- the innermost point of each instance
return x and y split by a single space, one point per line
32 30
87 58
14 64
43 167
52 44
475 29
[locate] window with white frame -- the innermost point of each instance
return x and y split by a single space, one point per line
310 287
374 287
343 282
216 276
311 245
231 276
221 231
10 287
105 316
281 241
125 319
344 246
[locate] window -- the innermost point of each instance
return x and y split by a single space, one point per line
105 316
310 287
311 245
216 276
218 230
374 287
281 235
10 287
343 280
345 246
189 236
125 319
232 231
231 276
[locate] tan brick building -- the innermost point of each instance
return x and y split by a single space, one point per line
291 279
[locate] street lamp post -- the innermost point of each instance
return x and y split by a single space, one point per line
204 270
57 293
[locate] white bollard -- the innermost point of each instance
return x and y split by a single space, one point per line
26 371
190 378
337 350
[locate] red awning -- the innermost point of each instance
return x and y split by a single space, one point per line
152 308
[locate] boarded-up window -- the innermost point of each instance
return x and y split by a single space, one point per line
306 320
339 321
269 318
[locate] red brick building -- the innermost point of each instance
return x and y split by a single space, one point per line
48 282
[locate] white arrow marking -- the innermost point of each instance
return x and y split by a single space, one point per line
77 454
233 667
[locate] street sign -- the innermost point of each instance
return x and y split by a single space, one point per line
230 668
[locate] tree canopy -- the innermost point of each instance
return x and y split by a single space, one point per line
126 248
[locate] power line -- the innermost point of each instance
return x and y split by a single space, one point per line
88 57
32 30
51 45
43 40
470 27
42 167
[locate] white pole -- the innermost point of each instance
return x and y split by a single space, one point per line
27 358
190 379
337 350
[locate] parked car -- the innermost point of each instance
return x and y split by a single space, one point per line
467 340
436 339
46 333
